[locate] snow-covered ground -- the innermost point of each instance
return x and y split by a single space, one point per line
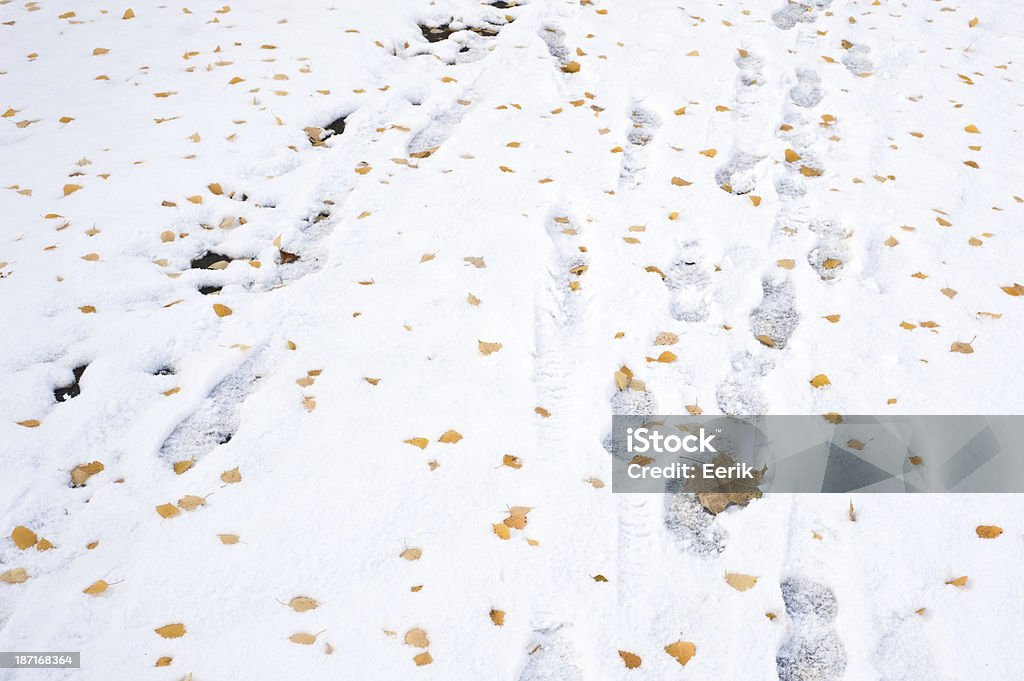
416 323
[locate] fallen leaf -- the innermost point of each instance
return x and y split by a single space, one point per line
422 659
417 638
222 310
420 442
180 467
989 531
82 472
631 660
501 530
171 630
740 582
24 537
96 588
168 510
962 348
512 461
411 554
820 381
232 476
228 539
191 502
450 437
303 604
15 576
486 348
959 581
498 617
682 651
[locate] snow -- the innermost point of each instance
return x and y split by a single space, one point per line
510 171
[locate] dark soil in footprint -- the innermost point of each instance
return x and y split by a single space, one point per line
211 261
66 392
435 34
337 126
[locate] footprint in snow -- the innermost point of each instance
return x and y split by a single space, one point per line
814 651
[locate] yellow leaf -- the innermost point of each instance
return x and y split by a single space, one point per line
571 67
786 263
91 257
486 348
682 651
191 502
831 263
303 604
303 639
222 310
411 554
512 461
23 537
168 510
422 659
420 442
959 581
972 129
680 182
82 472
417 638
96 588
228 539
450 437
820 381
232 476
916 460
989 531
631 660
164 661
667 357
501 530
171 630
962 348
766 340
792 156
498 617
215 188
71 189
183 466
128 14
740 582
15 576
100 50
710 153
974 22
472 300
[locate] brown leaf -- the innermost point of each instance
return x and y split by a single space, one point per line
498 617
420 442
631 660
450 437
962 348
512 461
23 537
417 638
168 510
740 582
228 539
191 502
232 476
15 576
959 581
411 554
96 588
989 531
486 348
303 639
82 472
171 630
682 651
423 658
303 604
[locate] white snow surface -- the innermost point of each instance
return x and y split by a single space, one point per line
535 170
